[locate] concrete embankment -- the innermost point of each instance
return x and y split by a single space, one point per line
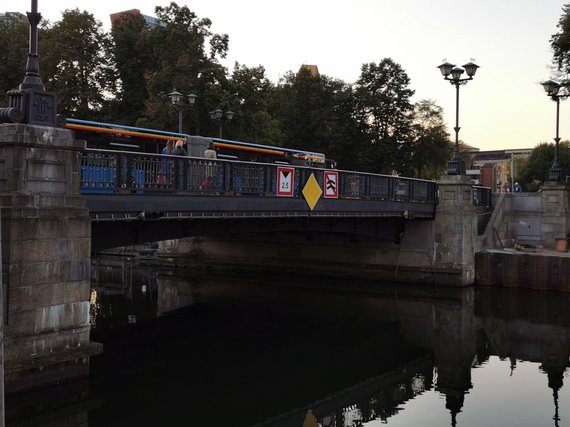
539 269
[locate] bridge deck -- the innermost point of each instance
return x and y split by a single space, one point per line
131 186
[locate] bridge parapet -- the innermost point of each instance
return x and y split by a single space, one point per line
109 172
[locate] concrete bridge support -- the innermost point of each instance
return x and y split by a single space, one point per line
46 243
455 240
555 211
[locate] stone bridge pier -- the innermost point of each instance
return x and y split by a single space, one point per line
46 244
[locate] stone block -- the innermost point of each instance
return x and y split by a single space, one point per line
25 346
53 271
33 297
46 228
33 251
552 198
48 319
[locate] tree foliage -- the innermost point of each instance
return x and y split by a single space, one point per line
535 170
130 50
302 109
432 148
250 93
13 52
560 42
383 104
76 64
184 55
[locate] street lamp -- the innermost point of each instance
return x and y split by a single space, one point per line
552 89
456 166
218 117
179 105
31 103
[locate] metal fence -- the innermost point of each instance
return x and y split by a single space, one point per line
482 196
105 171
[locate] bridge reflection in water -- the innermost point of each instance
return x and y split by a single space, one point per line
261 351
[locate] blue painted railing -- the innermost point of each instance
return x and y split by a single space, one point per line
106 171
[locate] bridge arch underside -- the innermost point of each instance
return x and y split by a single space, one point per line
122 220
112 234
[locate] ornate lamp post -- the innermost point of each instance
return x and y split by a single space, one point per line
179 105
31 103
552 89
456 166
218 117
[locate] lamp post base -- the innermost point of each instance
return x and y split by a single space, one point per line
555 173
456 167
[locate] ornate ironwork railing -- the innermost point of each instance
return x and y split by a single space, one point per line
482 196
106 171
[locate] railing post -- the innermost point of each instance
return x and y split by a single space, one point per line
119 174
130 174
176 177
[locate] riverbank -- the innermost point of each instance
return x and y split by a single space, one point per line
525 268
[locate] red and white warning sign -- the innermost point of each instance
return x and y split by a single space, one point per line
331 185
285 181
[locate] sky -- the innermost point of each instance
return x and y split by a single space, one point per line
503 107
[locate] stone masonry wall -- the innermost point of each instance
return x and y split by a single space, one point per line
46 245
455 232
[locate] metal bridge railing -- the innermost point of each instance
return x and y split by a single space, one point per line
106 171
482 196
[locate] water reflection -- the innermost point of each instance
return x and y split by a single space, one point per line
266 351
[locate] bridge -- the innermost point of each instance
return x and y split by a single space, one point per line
60 202
136 198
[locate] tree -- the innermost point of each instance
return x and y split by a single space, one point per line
535 170
76 63
431 145
184 55
346 136
250 92
130 52
301 105
13 52
560 42
383 105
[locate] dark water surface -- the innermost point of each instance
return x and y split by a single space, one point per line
220 351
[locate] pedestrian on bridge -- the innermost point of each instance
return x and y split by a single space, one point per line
164 166
210 154
179 149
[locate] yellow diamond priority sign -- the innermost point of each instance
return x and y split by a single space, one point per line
312 191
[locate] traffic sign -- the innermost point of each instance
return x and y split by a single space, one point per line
331 185
312 191
285 181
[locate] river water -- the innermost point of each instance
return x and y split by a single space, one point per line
279 350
